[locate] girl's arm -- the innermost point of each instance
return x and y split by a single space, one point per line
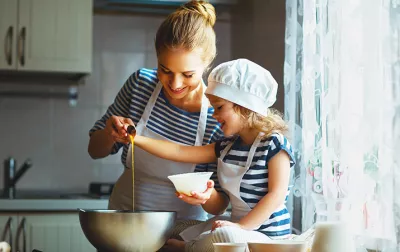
278 182
177 152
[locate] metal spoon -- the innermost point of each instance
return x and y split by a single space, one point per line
131 129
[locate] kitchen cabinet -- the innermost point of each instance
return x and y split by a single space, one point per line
46 35
44 231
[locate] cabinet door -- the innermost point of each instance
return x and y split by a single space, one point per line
8 31
55 35
8 225
53 232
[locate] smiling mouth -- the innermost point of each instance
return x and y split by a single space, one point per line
178 90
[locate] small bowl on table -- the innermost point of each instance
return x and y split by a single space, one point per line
230 247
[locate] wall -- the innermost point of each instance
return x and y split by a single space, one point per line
258 33
55 135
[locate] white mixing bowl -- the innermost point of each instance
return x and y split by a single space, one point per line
186 183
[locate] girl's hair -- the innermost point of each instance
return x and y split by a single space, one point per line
189 27
272 123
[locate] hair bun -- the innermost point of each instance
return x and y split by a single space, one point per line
203 8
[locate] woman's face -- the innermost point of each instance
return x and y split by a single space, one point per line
231 122
180 71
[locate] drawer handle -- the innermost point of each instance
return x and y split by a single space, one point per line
8 45
21 228
21 46
8 230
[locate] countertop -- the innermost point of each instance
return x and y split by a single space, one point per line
52 201
51 204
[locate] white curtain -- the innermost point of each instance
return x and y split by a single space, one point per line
342 102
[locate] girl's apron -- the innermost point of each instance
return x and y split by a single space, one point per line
229 176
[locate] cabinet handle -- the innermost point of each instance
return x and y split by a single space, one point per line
8 230
21 228
8 45
21 46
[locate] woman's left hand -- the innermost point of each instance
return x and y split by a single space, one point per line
198 198
224 223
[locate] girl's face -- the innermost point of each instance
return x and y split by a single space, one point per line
180 71
231 122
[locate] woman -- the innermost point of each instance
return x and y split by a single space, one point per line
167 103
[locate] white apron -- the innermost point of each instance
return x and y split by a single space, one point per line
229 176
153 190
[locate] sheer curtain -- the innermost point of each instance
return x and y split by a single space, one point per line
342 102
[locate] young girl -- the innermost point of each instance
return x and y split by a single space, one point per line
254 160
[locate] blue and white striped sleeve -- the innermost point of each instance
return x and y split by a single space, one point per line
120 107
277 143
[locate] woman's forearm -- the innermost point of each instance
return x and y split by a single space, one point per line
217 203
262 211
100 144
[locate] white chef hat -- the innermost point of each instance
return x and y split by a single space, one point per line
245 83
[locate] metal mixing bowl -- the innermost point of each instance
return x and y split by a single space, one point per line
118 231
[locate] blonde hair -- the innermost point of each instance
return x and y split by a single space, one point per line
272 123
189 27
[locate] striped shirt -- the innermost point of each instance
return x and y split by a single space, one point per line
166 119
254 184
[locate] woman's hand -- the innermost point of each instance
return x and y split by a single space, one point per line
198 198
116 129
224 223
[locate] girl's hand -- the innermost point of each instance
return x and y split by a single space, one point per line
224 223
116 128
198 198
